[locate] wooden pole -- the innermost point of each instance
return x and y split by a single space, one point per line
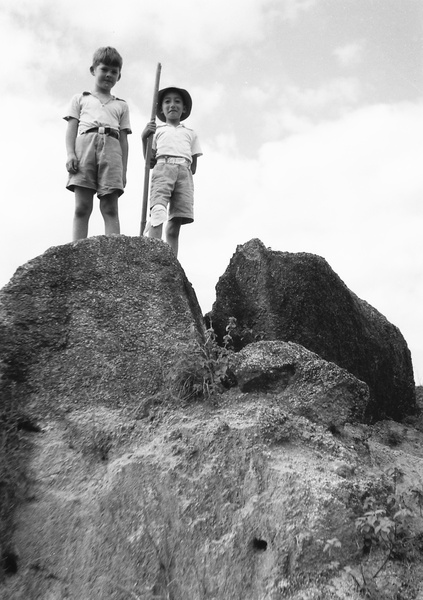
148 152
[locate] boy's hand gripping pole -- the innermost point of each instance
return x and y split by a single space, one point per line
148 152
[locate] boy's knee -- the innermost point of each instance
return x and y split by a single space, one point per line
109 207
109 211
82 211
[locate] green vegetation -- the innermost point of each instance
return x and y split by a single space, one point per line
384 534
202 368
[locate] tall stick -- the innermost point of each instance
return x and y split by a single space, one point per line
148 152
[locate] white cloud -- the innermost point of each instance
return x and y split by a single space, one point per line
342 91
208 101
348 190
255 95
201 27
371 150
295 109
292 9
350 54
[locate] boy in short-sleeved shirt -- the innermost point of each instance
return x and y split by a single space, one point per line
175 150
97 145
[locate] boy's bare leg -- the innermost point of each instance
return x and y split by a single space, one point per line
172 235
110 212
83 210
155 232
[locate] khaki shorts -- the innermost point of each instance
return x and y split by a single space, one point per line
172 186
100 164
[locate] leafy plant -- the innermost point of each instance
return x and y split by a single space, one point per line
330 547
202 368
417 493
384 525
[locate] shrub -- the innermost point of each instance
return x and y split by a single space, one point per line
202 368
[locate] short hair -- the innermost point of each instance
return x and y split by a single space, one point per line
108 56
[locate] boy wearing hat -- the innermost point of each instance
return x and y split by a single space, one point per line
175 151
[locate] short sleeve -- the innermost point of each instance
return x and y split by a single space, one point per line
124 119
74 108
154 142
195 145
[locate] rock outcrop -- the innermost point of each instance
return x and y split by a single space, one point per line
302 382
125 490
99 318
298 298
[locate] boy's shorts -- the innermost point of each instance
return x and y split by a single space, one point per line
171 186
100 164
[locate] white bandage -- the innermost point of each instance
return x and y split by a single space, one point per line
158 215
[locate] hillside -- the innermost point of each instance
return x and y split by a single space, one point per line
140 459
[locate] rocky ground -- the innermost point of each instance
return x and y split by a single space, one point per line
233 497
139 460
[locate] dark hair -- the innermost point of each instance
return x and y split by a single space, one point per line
108 56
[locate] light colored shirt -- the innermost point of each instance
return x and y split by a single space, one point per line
90 112
176 141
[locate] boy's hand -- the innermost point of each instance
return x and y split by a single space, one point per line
153 159
72 164
149 129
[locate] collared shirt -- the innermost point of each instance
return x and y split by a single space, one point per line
90 112
176 141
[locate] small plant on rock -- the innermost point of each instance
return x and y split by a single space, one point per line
383 526
330 547
202 368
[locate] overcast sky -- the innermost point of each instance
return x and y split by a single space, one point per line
310 115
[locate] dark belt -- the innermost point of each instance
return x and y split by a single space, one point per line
105 131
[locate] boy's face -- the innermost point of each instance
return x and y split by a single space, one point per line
106 76
173 107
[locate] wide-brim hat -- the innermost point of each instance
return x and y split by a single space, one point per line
186 99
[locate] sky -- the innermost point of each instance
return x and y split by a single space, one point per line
309 113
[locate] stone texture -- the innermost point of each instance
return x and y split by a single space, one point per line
196 504
299 298
302 382
230 498
96 320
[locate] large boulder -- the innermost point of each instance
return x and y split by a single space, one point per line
299 298
96 320
302 382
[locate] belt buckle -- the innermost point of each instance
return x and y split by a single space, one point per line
102 130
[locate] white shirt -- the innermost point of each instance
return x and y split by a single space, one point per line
176 141
90 112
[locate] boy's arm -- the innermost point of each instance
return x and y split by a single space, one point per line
123 139
194 164
149 129
195 151
71 133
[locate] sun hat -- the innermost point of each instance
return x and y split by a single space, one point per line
186 99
